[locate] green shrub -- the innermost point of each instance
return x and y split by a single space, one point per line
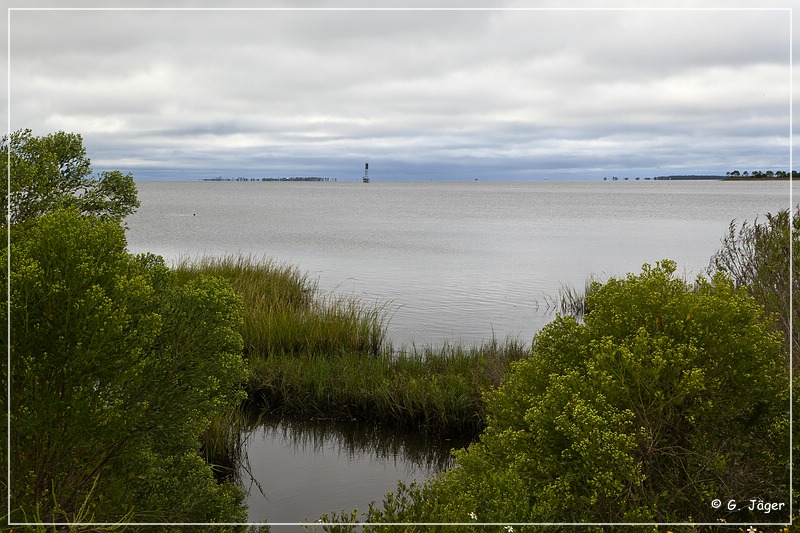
116 370
757 257
668 396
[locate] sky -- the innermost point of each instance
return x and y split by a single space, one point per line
565 90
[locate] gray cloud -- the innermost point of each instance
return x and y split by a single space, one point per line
428 94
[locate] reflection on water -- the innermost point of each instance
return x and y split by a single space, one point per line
309 467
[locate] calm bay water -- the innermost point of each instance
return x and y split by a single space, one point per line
453 262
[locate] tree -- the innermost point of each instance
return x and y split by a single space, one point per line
116 370
666 397
53 172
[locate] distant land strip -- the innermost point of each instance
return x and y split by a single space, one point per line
294 178
762 177
714 178
744 178
690 177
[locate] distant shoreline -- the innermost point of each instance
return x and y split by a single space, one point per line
655 178
293 178
720 178
755 179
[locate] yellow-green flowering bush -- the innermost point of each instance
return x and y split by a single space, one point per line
668 396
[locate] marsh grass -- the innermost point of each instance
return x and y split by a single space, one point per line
571 300
286 313
222 444
430 390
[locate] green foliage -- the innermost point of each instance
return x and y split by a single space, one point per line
668 396
116 370
53 172
756 256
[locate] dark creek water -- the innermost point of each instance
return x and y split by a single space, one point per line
309 467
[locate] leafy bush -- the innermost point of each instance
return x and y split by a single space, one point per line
116 369
668 396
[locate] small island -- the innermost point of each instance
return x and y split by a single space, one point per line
735 175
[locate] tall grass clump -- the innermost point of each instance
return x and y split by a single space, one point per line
258 281
430 390
571 300
223 442
287 314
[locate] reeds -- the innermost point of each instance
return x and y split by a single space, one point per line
222 443
260 281
433 391
286 313
570 301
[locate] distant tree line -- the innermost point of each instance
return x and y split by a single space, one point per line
769 174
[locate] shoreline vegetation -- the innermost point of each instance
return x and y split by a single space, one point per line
133 384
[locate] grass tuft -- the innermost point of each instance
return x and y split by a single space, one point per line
287 314
571 301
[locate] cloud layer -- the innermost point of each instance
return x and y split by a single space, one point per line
503 94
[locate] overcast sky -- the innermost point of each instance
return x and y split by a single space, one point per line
454 94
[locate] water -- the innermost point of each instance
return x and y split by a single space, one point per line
455 262
333 466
